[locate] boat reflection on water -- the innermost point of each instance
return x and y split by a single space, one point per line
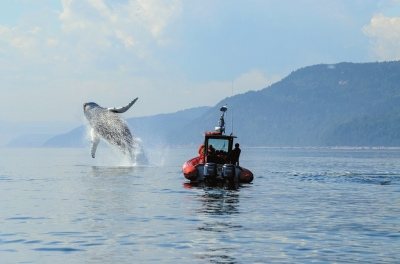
233 186
216 235
220 203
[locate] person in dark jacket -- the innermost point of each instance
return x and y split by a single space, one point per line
234 155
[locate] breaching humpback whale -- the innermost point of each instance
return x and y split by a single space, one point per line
106 124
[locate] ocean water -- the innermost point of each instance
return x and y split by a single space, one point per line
304 206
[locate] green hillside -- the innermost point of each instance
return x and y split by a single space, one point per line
322 105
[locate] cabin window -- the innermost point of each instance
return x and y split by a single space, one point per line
219 144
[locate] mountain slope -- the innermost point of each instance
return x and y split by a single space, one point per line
352 104
76 138
306 107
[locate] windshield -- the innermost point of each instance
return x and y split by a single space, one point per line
219 144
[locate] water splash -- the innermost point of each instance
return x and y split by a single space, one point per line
111 155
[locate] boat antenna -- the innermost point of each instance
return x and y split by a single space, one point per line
232 112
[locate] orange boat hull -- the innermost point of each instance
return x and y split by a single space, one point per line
246 176
189 170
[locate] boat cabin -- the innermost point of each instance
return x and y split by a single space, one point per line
217 147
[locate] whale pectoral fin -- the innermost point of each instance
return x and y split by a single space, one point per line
94 147
122 109
95 142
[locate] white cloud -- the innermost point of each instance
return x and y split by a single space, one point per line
111 35
155 14
126 39
385 37
93 34
20 43
136 20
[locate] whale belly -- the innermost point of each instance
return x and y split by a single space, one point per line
113 129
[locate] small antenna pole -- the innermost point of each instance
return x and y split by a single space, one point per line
232 111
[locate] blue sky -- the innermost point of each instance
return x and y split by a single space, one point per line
174 55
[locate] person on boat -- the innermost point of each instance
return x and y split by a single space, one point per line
201 153
233 156
211 154
211 150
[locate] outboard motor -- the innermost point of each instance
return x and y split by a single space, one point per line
228 171
210 171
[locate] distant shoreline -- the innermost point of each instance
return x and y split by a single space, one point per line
333 147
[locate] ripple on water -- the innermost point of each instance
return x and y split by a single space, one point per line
61 249
296 211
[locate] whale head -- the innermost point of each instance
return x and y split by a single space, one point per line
89 109
87 106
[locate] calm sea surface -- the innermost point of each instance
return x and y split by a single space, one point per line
304 205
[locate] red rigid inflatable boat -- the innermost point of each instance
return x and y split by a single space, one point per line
216 162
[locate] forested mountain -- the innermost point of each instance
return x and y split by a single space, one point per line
321 105
345 104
